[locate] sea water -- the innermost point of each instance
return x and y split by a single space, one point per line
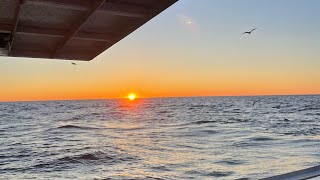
165 138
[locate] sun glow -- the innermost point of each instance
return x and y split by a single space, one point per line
132 96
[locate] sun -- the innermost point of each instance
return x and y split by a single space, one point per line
132 96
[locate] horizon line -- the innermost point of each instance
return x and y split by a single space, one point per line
156 97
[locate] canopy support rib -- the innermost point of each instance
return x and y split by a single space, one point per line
77 26
16 21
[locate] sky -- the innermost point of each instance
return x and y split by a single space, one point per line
194 48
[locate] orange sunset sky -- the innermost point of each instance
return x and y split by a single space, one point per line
191 49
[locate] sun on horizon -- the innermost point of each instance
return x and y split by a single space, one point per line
132 96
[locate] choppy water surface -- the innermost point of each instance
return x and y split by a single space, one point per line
171 138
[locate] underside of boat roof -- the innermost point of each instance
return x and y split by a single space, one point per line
70 29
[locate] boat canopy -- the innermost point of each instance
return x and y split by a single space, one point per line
70 29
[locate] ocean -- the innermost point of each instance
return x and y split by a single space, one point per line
165 138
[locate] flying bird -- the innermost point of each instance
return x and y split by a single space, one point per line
255 102
249 32
278 107
73 63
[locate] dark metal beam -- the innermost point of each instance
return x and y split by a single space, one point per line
60 33
92 36
77 26
29 53
50 32
122 9
81 5
5 28
36 53
16 21
118 9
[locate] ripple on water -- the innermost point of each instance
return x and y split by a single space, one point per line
203 122
230 162
75 127
90 158
210 174
262 138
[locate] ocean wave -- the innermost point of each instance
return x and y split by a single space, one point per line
209 131
161 168
163 112
247 144
231 162
97 157
262 138
87 157
203 122
75 127
305 132
211 174
220 173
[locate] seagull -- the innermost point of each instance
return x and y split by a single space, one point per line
73 63
255 102
278 107
249 32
